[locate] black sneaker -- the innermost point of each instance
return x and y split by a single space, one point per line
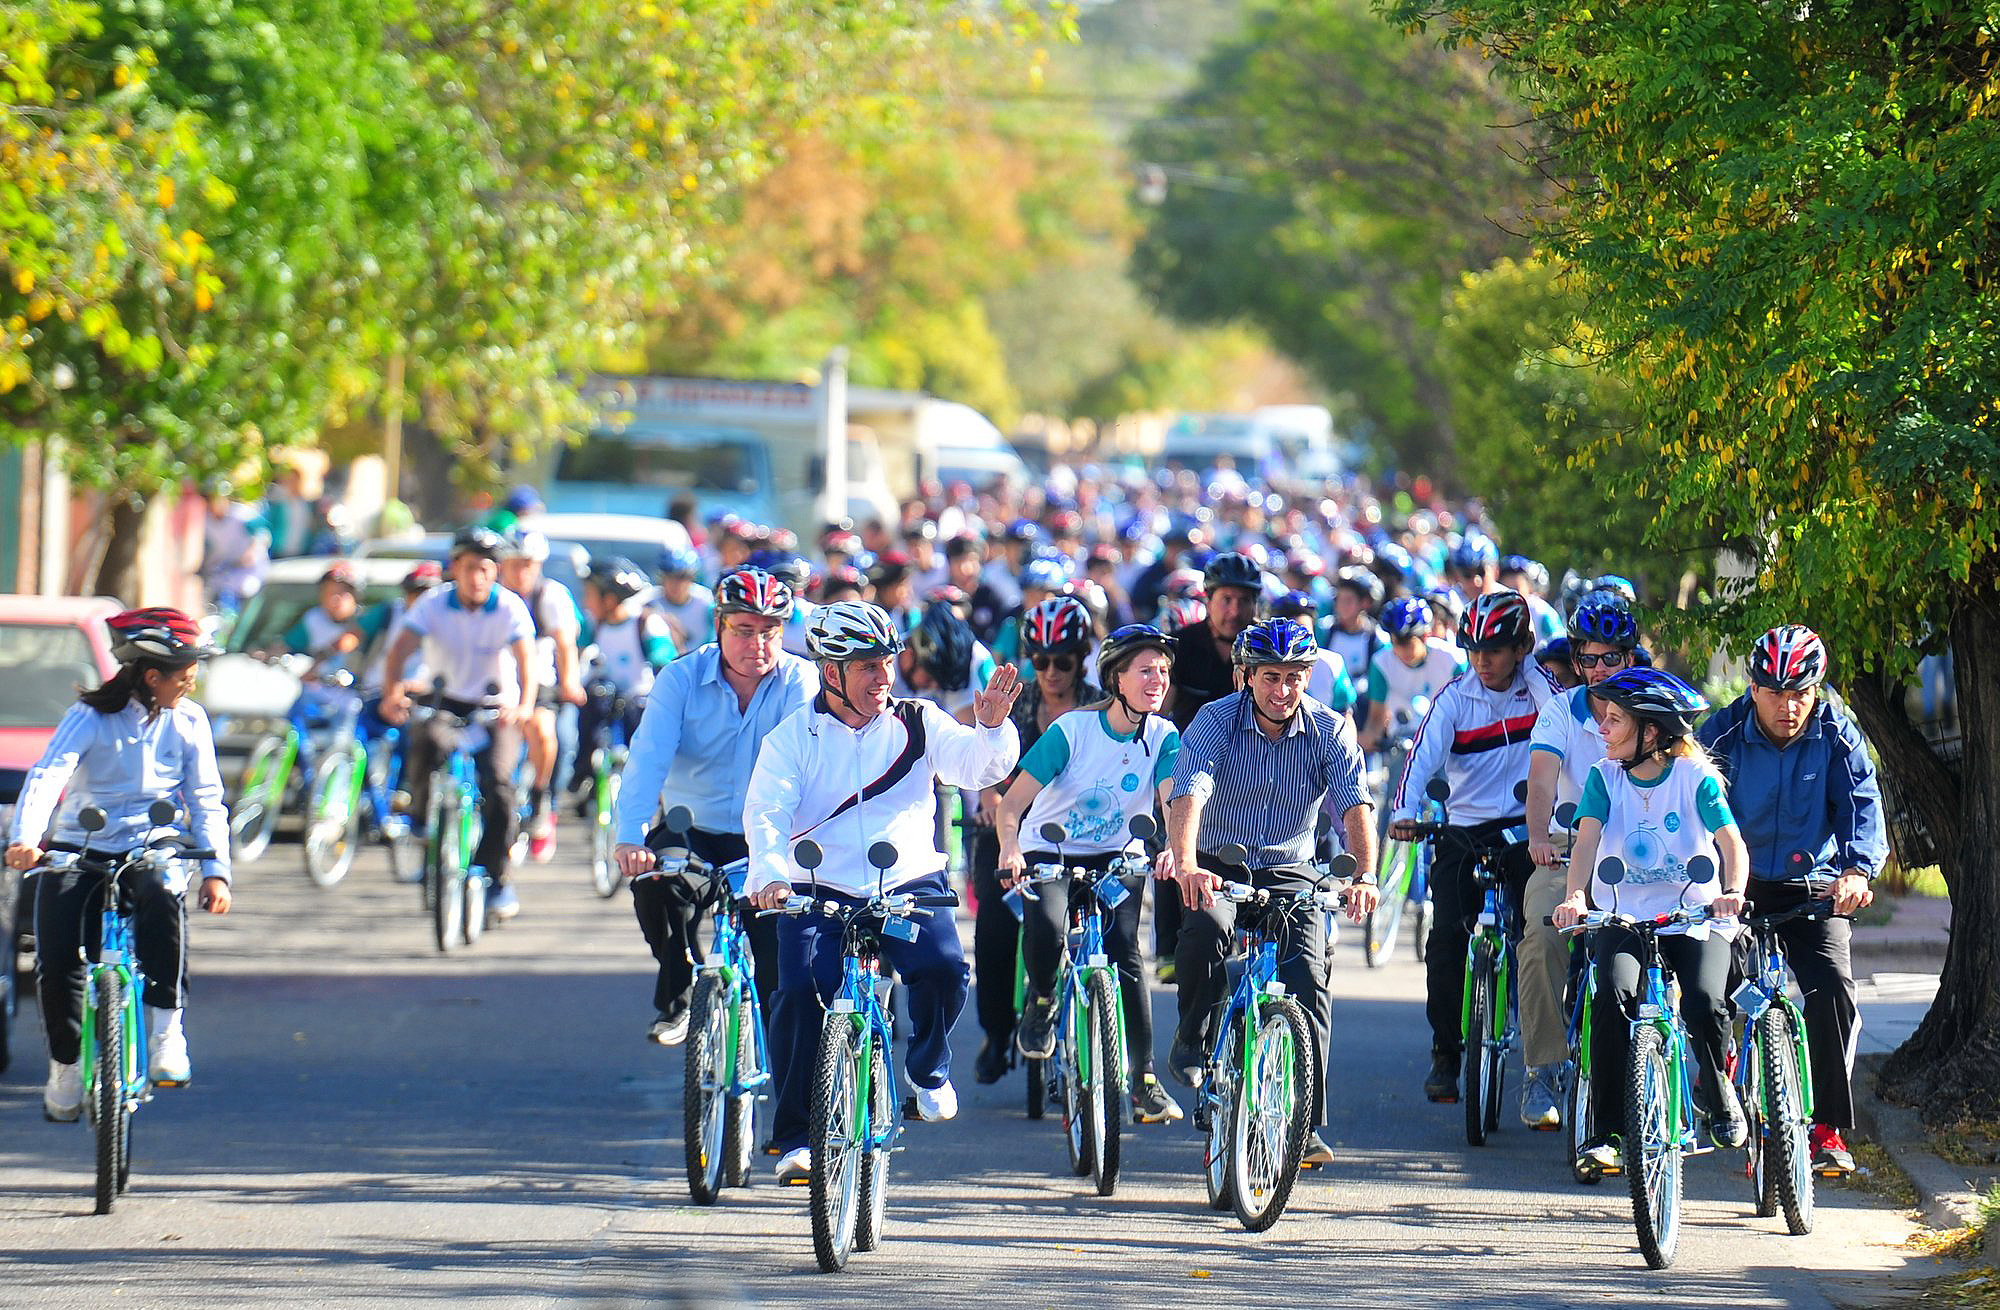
1317 1154
1601 1156
993 1062
1152 1105
1187 1062
1441 1084
1037 1034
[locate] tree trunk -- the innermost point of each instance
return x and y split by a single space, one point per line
1950 1067
124 532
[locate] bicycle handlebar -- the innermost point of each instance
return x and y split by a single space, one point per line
1817 909
1331 899
904 905
1608 918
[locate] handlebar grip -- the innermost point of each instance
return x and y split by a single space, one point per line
68 848
935 898
1549 920
197 853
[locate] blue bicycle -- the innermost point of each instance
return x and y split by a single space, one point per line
854 1122
728 1061
1092 1067
454 887
1773 1075
113 1056
1258 1094
607 758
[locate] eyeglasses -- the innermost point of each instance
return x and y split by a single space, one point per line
1616 659
1060 663
743 632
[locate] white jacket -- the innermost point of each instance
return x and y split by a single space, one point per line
1479 738
816 777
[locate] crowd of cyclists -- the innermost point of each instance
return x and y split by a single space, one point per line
1280 671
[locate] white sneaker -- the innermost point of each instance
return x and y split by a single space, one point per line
795 1167
503 904
937 1103
166 1048
62 1099
669 1032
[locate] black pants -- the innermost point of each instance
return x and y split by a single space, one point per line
1167 913
996 940
1041 942
432 741
670 908
1201 968
1702 967
69 905
1818 955
1456 901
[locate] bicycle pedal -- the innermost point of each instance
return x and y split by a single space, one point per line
166 1082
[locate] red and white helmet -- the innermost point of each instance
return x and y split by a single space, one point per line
1788 658
1183 583
753 591
1498 618
158 633
1056 625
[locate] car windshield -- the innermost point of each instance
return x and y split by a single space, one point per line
42 666
643 457
279 605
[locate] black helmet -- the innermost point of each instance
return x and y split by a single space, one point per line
617 577
475 540
942 644
1233 569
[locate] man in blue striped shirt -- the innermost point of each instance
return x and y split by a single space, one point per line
1254 768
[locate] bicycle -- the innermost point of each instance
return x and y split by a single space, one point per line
113 1052
854 1123
1659 1088
728 1061
352 783
1404 870
454 887
278 775
1258 1093
1773 1075
608 763
1489 1026
1092 1067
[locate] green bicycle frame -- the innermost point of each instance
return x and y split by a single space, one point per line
128 1020
1799 1057
1502 984
349 796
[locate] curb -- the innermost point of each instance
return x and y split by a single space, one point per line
1945 1195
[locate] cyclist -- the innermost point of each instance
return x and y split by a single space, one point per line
1352 633
482 640
1255 768
1042 578
1474 566
689 606
1800 779
1447 613
943 662
1557 657
1092 773
706 717
556 620
629 645
1477 733
1527 576
1057 638
1660 807
1565 745
122 746
1329 684
1414 664
328 632
856 766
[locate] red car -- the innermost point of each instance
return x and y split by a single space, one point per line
50 646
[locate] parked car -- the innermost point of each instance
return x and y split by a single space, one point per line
50 648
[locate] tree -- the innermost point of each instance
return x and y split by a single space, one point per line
1783 219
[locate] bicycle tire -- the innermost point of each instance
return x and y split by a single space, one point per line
1652 1149
405 853
433 851
108 1115
871 1207
739 1138
1220 1095
1749 1079
1380 925
1069 1061
1280 1066
329 841
1108 1090
603 868
704 1107
1480 999
835 1179
253 820
448 907
1038 1086
1790 1166
1580 1119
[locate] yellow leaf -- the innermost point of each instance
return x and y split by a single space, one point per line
166 193
24 281
202 300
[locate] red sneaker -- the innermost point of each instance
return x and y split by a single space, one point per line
1830 1156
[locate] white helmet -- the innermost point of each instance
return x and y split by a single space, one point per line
851 630
524 543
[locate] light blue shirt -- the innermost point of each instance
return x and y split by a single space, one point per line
696 745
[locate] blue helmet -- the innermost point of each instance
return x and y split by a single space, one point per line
1656 696
1023 530
1604 616
1393 555
1473 553
1617 585
1556 650
1294 605
679 562
1408 616
1275 641
1045 574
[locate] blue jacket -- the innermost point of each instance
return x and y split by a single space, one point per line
1817 795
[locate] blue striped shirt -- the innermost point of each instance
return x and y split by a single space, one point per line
1263 793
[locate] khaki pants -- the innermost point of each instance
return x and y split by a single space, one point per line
1543 956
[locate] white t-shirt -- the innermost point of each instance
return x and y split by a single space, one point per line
1093 783
1567 729
551 609
1655 830
1355 648
470 648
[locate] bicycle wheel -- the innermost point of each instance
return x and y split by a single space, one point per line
1038 1087
1652 1149
1271 1115
333 819
1378 929
603 868
254 817
406 856
1421 934
1073 1058
433 852
107 1093
1480 997
1748 1075
448 907
872 1209
1789 1143
1105 1092
739 1134
475 879
1217 1097
836 1145
704 1081
1580 1117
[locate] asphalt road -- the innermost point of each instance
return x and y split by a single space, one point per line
374 1124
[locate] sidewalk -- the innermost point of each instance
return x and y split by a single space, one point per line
1919 928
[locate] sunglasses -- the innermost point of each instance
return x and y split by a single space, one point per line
1615 659
1060 663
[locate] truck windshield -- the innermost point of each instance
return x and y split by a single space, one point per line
638 458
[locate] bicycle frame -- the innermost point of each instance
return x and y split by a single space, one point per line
859 999
118 954
1658 1010
1246 1002
731 962
1767 985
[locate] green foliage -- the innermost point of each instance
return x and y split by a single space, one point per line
1786 236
